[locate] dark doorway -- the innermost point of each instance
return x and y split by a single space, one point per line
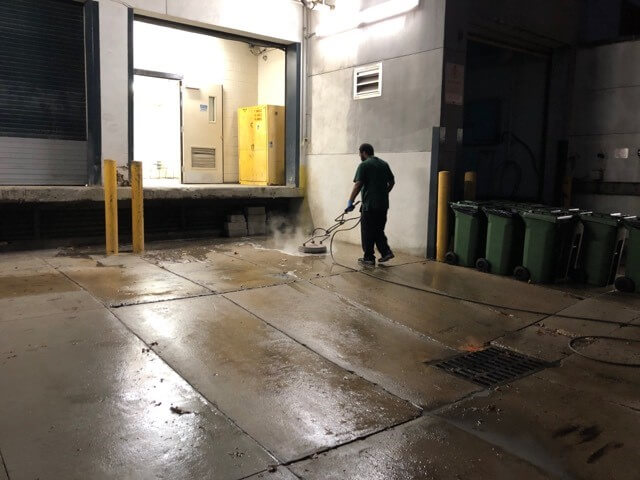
504 120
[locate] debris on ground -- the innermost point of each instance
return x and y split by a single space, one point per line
146 350
153 344
273 468
236 453
179 411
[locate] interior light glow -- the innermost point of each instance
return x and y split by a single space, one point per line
385 10
333 23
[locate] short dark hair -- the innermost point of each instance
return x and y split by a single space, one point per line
366 148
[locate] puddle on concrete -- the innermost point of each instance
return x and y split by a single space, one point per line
22 285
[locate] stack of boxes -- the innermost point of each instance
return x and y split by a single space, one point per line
256 220
252 222
235 226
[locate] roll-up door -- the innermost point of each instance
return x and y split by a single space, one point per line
42 93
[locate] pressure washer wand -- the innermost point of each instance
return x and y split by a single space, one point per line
315 244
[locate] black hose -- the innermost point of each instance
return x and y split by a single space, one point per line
596 359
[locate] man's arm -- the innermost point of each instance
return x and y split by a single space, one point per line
357 186
392 180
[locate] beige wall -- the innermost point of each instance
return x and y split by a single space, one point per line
271 77
201 60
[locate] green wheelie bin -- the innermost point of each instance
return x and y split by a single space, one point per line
504 240
549 243
601 247
630 282
469 234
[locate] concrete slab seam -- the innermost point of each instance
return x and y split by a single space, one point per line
4 466
209 402
384 318
354 440
213 292
420 409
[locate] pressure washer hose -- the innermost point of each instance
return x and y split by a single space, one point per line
340 219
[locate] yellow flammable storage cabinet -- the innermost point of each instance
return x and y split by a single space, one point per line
261 145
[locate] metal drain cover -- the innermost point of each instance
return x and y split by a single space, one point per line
492 366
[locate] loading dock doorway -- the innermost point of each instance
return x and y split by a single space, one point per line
157 127
219 75
505 117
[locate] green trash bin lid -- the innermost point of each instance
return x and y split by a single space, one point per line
500 212
553 216
611 219
467 208
632 223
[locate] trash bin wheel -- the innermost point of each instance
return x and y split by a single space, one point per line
451 258
483 265
625 284
522 274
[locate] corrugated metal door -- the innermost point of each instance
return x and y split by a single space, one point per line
42 93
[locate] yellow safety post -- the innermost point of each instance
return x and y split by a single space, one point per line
470 180
444 194
137 207
110 183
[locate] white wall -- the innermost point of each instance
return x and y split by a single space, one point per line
605 121
278 20
271 80
201 60
114 79
399 123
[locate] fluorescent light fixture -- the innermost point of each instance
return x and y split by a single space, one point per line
385 10
333 23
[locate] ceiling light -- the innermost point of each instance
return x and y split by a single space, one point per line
334 23
387 9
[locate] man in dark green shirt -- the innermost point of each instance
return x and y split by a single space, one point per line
375 180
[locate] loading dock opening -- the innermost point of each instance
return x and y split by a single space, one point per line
187 88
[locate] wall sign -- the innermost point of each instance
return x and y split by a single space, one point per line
454 84
203 107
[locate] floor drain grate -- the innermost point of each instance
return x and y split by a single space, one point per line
492 366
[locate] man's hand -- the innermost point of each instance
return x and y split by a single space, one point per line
350 207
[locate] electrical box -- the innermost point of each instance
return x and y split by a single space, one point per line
261 145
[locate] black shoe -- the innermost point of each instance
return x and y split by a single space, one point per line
386 257
367 262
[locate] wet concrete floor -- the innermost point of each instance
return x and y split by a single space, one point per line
245 360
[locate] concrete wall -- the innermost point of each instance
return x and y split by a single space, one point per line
276 20
399 123
605 121
114 82
271 77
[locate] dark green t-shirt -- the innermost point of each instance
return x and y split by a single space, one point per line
375 176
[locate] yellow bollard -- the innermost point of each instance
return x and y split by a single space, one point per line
137 207
470 181
110 185
444 194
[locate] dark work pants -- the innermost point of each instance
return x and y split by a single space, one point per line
372 226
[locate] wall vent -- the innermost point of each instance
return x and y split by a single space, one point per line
203 157
367 81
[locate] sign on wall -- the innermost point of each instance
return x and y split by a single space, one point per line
454 84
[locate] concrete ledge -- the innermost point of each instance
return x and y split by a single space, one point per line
40 194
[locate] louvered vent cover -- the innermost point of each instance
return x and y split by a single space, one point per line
203 157
367 81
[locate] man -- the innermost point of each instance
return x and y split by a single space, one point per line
375 180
